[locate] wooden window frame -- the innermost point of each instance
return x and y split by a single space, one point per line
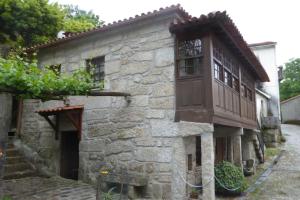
244 90
227 78
197 65
218 72
99 75
236 86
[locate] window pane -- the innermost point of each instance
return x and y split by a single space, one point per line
189 48
236 84
227 78
218 72
243 91
189 67
96 67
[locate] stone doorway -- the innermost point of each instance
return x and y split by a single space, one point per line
69 162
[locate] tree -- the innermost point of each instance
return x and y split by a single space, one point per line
77 20
29 22
290 86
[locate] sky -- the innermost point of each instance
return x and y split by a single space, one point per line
257 20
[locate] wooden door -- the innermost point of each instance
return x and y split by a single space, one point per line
69 155
220 149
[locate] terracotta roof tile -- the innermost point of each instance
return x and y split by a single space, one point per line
60 109
173 8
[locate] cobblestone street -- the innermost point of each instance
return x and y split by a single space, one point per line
284 180
55 188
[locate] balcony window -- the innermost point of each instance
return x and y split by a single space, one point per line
235 84
218 71
227 78
189 59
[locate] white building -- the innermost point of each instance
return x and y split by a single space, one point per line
266 53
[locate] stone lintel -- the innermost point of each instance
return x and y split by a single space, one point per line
193 128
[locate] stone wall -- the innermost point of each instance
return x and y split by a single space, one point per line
5 121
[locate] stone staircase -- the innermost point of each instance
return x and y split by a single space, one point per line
16 165
258 149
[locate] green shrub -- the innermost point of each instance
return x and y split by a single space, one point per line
229 179
6 197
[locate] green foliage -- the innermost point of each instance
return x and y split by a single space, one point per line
6 197
108 195
77 20
290 86
29 22
23 77
231 177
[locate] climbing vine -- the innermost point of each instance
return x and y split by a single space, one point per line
23 77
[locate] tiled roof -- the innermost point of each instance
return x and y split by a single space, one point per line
228 28
290 99
262 44
60 109
173 8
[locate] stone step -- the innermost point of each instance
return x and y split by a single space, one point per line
14 159
19 174
22 166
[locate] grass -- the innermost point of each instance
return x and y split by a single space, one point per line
6 197
271 152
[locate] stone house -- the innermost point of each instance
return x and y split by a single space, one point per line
179 96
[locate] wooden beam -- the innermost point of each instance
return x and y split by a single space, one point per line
50 122
73 119
58 95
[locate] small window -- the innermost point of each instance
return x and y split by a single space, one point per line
190 162
235 84
227 78
189 60
56 69
96 67
218 71
198 150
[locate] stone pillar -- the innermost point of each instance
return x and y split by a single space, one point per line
208 164
179 166
237 147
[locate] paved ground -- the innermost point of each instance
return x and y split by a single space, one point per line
38 188
284 180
